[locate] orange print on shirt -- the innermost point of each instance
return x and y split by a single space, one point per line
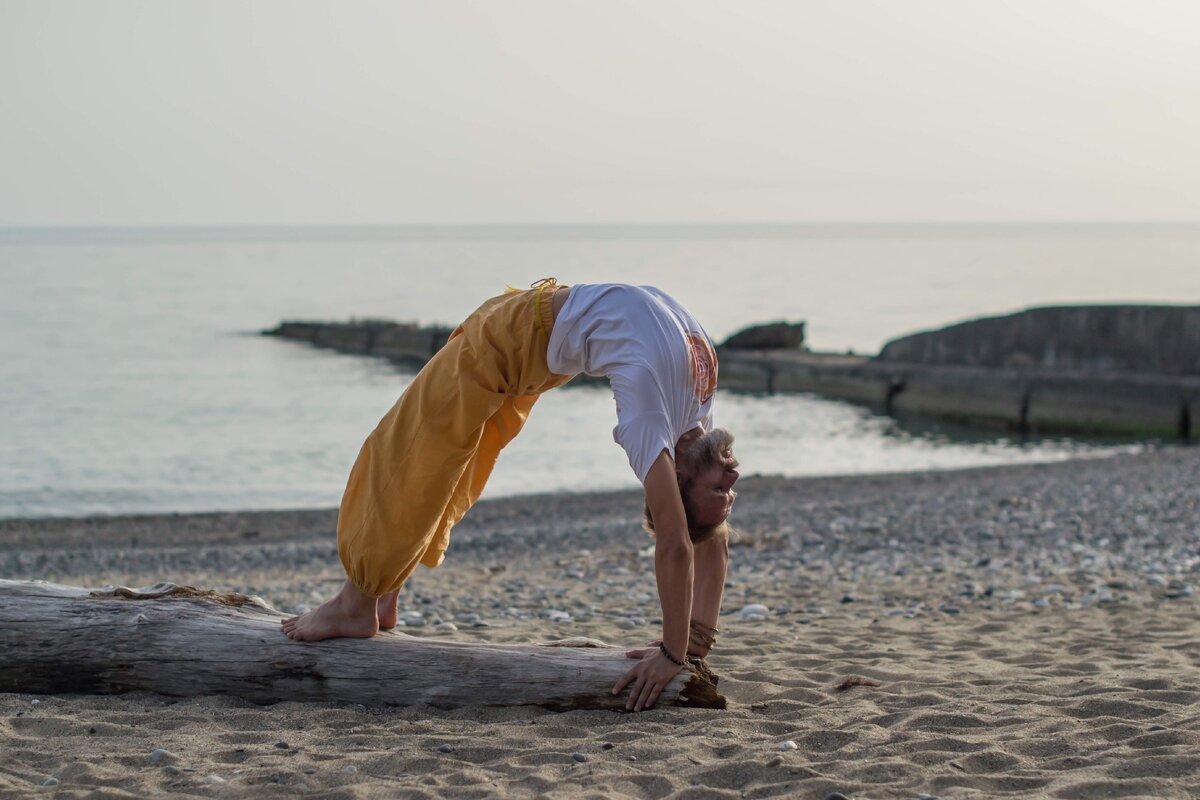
704 366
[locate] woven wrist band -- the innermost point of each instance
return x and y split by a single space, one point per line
699 633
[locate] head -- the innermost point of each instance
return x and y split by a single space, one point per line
706 471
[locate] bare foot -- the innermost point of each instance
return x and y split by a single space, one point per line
348 613
387 612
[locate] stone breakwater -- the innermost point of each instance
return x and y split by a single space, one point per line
1026 399
1156 340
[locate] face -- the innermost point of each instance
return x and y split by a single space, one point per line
711 493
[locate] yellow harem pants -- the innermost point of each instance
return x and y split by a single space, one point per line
427 461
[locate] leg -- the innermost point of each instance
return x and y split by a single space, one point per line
499 429
405 482
427 461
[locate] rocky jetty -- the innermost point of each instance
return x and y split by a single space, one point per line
1108 370
401 342
1153 340
771 336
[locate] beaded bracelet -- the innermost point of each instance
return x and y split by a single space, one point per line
670 657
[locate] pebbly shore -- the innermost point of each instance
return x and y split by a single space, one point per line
1124 529
1023 631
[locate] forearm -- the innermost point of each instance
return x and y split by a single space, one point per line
674 572
711 559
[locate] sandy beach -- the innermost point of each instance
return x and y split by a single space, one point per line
1024 631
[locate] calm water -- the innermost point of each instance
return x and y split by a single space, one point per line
130 378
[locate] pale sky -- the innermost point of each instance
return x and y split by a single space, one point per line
256 112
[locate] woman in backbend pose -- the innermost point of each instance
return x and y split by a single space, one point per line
427 461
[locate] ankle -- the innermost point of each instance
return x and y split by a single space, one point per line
354 603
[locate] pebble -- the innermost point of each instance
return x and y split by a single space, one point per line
1174 591
788 745
927 797
607 746
580 757
467 619
836 796
35 702
159 754
283 745
445 627
444 748
755 612
775 761
171 769
213 779
1159 728
350 770
50 782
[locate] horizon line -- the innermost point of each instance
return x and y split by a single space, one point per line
576 224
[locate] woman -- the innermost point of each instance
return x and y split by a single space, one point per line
427 461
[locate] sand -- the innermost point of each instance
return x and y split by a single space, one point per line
1032 631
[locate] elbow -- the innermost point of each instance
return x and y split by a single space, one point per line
673 551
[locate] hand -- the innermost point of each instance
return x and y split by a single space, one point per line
651 675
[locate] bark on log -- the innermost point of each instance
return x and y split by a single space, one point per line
181 641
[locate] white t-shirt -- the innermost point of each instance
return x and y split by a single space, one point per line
660 362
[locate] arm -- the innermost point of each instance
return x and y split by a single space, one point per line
673 567
712 561
673 572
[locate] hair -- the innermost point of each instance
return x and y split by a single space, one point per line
709 449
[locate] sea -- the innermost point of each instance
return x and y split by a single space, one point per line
134 379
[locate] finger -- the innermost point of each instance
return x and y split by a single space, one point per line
639 653
646 690
654 696
624 681
635 693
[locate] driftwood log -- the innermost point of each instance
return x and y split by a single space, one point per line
181 641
